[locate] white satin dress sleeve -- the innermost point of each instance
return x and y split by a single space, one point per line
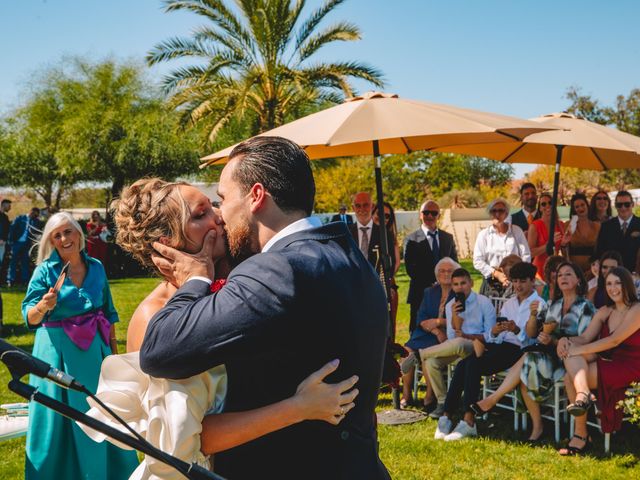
168 413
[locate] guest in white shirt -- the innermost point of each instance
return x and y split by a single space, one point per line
497 241
469 316
503 348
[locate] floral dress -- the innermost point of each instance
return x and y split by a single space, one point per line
541 369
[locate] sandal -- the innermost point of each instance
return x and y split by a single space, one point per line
570 451
478 411
580 407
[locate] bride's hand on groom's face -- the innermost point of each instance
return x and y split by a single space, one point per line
178 266
317 400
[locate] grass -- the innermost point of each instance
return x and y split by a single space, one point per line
408 451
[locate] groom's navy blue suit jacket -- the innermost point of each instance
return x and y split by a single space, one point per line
283 314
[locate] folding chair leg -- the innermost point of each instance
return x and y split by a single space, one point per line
416 381
607 442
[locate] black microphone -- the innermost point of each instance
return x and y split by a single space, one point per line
20 363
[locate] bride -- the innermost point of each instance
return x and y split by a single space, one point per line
184 417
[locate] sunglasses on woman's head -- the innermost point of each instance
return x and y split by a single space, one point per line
623 204
433 213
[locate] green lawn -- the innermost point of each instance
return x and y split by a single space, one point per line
409 451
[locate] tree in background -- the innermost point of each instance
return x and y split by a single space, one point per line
624 115
409 179
118 128
101 122
258 64
33 136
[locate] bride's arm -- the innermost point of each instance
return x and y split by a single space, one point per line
314 400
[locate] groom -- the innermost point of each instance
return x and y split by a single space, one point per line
305 296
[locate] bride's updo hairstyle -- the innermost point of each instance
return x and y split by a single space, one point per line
147 210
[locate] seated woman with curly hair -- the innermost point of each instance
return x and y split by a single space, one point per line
183 417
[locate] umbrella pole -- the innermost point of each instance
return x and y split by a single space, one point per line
554 201
385 259
385 262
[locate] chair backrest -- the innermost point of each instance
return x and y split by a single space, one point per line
497 303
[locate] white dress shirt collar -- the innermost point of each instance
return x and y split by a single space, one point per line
368 225
306 223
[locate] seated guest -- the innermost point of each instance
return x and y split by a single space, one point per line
581 234
600 207
608 261
430 327
617 325
469 315
536 372
550 270
496 242
502 349
498 289
538 234
621 233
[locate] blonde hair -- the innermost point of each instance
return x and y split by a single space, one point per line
147 210
44 245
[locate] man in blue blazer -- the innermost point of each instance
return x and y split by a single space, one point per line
305 295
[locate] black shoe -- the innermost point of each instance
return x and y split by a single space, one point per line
580 407
570 451
478 411
429 407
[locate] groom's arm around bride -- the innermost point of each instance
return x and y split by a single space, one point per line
307 296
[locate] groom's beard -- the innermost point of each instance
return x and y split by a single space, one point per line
241 241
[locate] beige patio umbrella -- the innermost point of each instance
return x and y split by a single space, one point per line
576 143
380 123
396 125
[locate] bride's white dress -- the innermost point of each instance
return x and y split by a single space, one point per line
168 413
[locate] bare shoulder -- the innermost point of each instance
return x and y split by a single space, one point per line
143 313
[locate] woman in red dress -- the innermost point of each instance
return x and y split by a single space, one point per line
609 364
539 234
96 247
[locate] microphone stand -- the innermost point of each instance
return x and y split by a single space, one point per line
192 471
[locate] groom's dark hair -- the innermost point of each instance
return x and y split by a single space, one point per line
281 166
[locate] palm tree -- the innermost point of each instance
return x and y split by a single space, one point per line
257 63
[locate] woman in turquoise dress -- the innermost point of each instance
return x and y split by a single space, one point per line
74 333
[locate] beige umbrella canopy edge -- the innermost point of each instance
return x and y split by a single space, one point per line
398 125
575 143
586 145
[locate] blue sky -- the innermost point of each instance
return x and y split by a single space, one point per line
515 57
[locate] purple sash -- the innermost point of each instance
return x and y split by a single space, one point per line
81 329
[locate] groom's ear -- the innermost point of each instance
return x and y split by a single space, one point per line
257 197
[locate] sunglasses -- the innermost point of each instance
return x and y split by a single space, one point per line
623 204
433 213
545 204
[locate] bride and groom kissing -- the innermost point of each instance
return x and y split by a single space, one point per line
303 296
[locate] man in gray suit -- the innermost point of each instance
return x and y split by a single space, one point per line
423 248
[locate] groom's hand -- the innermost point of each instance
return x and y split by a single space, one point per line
178 266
